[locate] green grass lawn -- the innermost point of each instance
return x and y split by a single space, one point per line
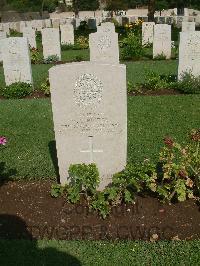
29 128
82 253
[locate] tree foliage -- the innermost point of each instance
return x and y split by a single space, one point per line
86 5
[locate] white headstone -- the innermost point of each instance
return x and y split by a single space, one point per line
104 47
6 28
162 41
189 53
2 36
67 34
56 23
90 117
38 24
22 26
106 27
29 33
188 26
147 32
51 42
16 60
47 23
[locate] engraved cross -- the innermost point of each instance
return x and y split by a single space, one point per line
91 149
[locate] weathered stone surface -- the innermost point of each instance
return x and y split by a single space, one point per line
147 32
29 33
104 46
162 41
67 34
90 117
2 36
189 53
16 60
51 42
188 26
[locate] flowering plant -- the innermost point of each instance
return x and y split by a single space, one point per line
179 177
3 140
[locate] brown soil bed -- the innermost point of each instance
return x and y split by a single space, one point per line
28 211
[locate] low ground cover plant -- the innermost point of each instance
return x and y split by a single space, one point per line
176 177
35 56
155 81
17 90
51 59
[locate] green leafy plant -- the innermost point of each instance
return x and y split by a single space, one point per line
83 178
188 84
132 47
175 177
35 56
17 90
51 59
154 81
132 88
57 190
101 204
45 87
179 174
65 47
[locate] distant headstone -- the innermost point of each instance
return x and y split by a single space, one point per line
92 23
162 41
47 23
189 53
51 42
6 28
22 26
56 23
147 32
2 36
90 117
188 26
29 33
104 46
169 20
67 34
106 27
38 24
16 60
125 21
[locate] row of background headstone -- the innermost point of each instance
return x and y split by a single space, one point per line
106 51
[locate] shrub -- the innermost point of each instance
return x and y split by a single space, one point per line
179 175
132 47
82 42
154 81
17 90
82 178
45 87
188 84
51 59
35 56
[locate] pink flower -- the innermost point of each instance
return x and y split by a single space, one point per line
3 141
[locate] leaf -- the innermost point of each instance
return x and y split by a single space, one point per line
128 196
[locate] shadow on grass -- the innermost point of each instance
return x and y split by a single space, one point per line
5 175
53 153
22 251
